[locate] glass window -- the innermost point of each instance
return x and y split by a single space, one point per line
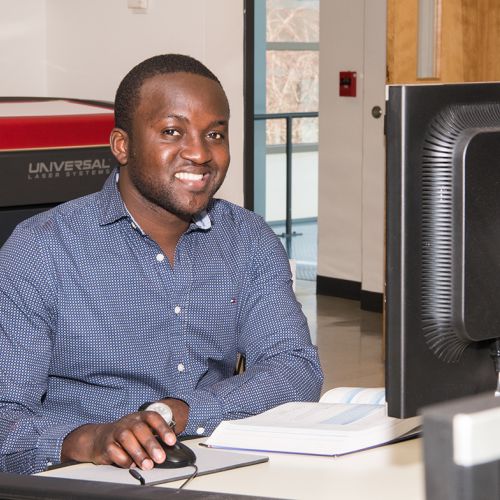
286 69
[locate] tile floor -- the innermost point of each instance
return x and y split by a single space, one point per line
349 339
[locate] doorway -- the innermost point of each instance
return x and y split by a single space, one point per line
349 239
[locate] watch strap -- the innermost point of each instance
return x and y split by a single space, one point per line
144 406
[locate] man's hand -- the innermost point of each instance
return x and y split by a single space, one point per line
128 441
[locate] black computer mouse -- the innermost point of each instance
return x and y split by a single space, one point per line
178 455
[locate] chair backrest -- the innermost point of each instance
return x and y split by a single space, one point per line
293 267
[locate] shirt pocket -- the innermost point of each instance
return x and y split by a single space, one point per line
211 321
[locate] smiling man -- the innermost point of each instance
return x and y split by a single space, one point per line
122 313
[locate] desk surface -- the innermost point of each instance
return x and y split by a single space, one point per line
386 473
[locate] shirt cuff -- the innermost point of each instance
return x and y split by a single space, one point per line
205 412
49 446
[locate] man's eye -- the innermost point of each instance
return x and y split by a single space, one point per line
170 131
216 135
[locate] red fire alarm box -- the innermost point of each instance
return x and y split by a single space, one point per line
347 83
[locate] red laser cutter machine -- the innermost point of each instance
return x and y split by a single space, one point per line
51 151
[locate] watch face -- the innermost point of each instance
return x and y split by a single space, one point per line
164 410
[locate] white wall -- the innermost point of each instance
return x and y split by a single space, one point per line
23 48
351 165
340 142
373 204
83 48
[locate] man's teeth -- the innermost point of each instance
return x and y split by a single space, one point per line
186 176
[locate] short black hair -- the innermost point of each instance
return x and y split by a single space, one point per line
127 95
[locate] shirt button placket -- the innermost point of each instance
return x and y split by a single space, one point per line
181 368
182 279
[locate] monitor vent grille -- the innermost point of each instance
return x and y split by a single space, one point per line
442 225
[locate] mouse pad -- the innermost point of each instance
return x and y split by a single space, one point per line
207 460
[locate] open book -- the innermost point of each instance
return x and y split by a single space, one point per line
345 420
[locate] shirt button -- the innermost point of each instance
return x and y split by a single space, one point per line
133 225
181 367
177 309
160 257
200 431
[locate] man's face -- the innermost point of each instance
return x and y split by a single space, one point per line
178 152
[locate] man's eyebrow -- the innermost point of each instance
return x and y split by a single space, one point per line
222 122
219 122
179 117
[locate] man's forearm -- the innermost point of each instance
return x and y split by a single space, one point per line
264 385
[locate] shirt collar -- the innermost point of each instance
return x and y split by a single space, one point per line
113 209
111 206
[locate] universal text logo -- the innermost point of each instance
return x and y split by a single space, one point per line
68 168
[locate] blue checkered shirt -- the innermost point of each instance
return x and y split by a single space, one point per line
94 322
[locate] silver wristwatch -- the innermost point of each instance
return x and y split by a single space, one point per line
163 409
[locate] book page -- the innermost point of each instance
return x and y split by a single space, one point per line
355 395
319 417
316 428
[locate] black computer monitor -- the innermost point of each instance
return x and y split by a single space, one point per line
442 296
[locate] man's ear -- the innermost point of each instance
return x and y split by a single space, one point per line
119 142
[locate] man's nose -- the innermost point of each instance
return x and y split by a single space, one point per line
196 149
